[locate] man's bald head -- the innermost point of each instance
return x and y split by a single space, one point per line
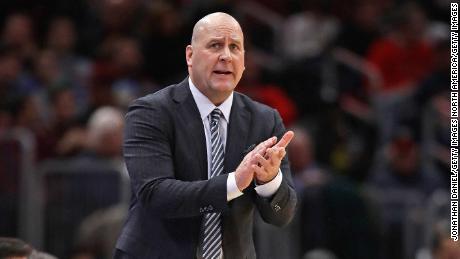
215 57
213 19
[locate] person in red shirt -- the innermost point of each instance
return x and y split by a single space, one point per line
402 58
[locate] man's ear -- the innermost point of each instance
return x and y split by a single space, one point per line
188 55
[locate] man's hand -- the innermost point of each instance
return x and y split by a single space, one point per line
268 164
244 174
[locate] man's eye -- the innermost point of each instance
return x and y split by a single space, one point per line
215 45
234 47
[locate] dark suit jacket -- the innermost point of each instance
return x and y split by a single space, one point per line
165 152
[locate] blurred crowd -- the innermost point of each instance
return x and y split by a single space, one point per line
363 83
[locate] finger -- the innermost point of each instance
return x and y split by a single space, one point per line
284 141
269 142
260 149
261 160
282 153
274 152
269 153
277 157
259 171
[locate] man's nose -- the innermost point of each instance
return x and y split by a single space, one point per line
226 55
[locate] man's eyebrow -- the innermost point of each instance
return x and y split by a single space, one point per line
237 41
237 38
233 40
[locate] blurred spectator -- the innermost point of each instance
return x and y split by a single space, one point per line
67 137
65 132
10 67
270 94
61 36
307 38
354 149
401 185
98 233
400 167
131 83
63 106
319 254
105 133
442 247
106 21
305 169
47 70
430 118
97 157
13 248
18 34
26 112
359 29
15 80
435 83
163 43
436 136
34 108
74 69
117 76
118 16
361 26
403 58
307 34
332 212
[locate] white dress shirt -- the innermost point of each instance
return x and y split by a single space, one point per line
205 107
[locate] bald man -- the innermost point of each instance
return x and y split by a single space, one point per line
202 158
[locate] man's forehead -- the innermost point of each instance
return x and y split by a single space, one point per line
222 29
220 35
218 25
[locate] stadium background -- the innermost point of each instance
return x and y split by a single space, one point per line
365 85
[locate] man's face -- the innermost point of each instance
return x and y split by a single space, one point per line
216 59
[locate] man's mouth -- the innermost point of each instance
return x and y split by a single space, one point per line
222 72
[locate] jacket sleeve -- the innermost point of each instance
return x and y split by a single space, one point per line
280 208
148 154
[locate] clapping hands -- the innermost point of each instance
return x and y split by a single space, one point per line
262 163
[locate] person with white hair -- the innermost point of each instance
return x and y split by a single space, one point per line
105 132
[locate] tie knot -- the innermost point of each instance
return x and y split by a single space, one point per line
215 115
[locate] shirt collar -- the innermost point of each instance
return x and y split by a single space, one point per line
205 106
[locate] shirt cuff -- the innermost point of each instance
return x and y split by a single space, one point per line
232 189
270 188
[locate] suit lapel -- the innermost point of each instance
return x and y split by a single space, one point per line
237 133
188 112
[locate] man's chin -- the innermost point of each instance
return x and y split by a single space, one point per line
224 86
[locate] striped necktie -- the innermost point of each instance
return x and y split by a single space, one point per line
212 233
